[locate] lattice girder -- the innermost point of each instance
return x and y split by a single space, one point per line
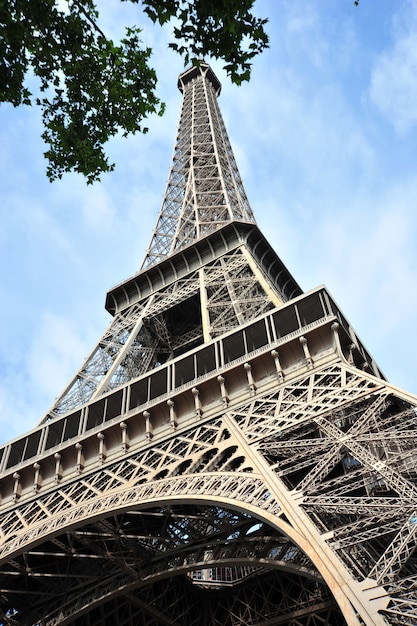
233 460
179 313
229 454
127 579
204 187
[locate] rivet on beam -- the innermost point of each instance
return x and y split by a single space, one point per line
307 354
196 393
80 457
223 390
251 382
101 448
172 415
125 437
58 467
149 427
37 480
280 372
17 489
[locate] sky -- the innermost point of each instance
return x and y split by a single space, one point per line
325 137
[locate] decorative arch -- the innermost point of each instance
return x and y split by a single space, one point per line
242 494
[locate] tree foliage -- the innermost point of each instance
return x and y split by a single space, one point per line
88 87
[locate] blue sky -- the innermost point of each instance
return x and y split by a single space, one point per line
325 136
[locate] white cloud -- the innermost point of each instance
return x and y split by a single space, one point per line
393 87
56 354
98 209
32 378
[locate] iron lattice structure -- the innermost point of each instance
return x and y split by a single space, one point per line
229 454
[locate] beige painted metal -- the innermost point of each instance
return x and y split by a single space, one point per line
229 454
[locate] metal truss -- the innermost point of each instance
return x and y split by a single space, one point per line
234 294
229 454
221 296
134 549
319 461
204 193
204 188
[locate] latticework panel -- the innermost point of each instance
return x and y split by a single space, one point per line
234 294
325 461
108 350
204 188
137 340
197 452
265 599
250 573
353 466
167 324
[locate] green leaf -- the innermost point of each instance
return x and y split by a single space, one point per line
91 88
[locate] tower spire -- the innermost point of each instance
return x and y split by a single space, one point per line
208 268
204 189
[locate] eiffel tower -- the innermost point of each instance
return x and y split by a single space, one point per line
229 454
